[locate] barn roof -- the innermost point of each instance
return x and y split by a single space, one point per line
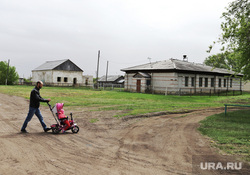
110 78
65 64
177 65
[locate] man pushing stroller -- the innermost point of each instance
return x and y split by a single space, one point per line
35 99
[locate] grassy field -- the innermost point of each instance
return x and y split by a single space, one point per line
131 103
231 133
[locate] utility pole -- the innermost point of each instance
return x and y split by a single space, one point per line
7 73
97 71
107 71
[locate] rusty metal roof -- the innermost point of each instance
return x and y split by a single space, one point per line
178 65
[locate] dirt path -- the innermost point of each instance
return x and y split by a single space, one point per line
157 145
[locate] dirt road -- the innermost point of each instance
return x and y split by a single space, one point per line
156 145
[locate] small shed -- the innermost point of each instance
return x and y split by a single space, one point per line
111 80
20 81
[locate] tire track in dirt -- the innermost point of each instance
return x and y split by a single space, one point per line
157 145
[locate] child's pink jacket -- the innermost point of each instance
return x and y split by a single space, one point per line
60 111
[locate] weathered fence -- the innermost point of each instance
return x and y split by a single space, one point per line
117 87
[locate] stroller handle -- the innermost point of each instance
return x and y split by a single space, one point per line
49 105
53 113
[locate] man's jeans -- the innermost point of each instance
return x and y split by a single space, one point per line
33 111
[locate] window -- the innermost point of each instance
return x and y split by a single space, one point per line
206 82
225 82
58 79
231 82
200 82
148 82
186 81
192 81
219 82
212 82
65 79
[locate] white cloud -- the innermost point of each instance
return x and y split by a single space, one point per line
126 32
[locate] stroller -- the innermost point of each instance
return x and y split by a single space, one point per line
60 125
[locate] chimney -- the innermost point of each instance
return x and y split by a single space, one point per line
185 58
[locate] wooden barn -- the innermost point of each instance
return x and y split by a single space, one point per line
175 76
61 73
111 80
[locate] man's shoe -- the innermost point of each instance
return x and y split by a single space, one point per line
24 131
47 129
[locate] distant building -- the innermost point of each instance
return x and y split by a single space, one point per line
172 76
61 73
20 81
111 80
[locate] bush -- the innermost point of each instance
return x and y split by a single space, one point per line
12 74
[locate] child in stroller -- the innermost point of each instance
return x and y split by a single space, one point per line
62 122
62 117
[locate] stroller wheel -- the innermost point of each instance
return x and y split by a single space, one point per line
75 129
55 130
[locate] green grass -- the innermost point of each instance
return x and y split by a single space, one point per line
129 103
94 120
230 133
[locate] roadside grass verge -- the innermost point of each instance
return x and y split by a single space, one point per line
129 103
230 133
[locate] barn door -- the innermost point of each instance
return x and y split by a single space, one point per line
75 81
138 86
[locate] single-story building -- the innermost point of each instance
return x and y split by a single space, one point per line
61 73
173 76
111 80
20 81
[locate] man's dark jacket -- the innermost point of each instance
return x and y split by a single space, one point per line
35 98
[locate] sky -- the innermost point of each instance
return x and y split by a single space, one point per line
127 32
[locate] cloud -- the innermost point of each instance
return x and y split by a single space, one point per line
126 32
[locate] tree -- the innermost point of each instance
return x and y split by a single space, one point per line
236 35
12 74
225 60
